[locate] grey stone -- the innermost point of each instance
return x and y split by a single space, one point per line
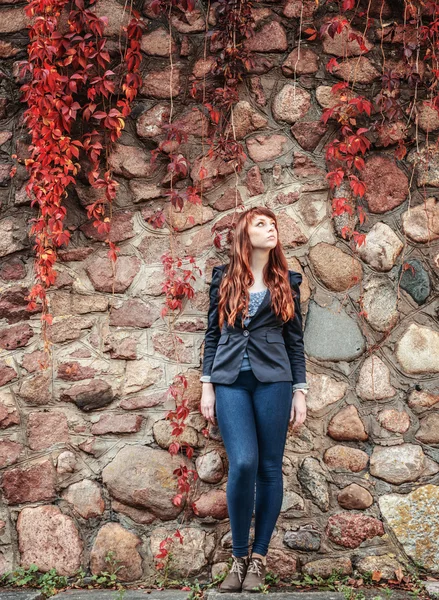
432 588
415 281
313 481
22 595
331 334
305 538
380 304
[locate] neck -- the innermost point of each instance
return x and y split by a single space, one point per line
259 259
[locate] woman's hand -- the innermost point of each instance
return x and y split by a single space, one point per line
298 409
207 405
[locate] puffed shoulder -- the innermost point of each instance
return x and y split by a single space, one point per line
295 277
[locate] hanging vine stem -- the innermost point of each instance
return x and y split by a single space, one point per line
60 67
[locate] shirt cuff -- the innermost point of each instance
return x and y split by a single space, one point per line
205 378
300 386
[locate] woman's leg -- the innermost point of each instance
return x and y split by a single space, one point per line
236 421
272 404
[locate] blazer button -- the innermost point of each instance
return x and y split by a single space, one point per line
246 332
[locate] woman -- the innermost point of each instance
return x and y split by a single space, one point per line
254 375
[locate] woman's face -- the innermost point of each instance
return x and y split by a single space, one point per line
262 232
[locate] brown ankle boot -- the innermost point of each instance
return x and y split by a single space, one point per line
233 581
255 576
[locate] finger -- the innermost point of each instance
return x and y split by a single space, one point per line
292 414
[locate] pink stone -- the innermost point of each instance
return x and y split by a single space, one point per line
203 67
139 516
346 458
9 452
99 270
49 539
9 414
130 161
34 361
229 199
351 530
257 91
215 168
358 70
270 38
397 421
74 254
36 391
16 336
354 497
13 306
147 401
428 117
112 423
309 133
192 122
12 270
305 168
86 498
7 373
157 43
157 84
291 103
150 123
121 228
262 148
253 182
174 349
74 371
296 9
212 504
88 396
134 313
340 45
44 429
33 484
386 185
346 425
300 61
246 119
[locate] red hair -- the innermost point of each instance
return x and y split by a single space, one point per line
233 291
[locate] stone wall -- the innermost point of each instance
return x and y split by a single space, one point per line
84 446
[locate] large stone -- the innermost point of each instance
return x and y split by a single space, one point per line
13 20
346 425
86 498
309 133
162 84
428 432
134 313
13 306
385 564
210 467
343 43
338 271
271 37
426 164
262 148
143 477
15 336
421 223
246 119
418 350
354 497
386 184
414 521
414 279
331 334
49 539
112 423
323 391
351 529
131 161
162 431
117 16
141 374
428 117
188 557
381 247
301 61
374 380
150 123
380 303
397 421
9 452
99 268
33 484
213 504
36 390
113 537
44 429
9 414
357 70
305 539
7 373
158 43
89 396
312 478
346 458
420 401
291 103
397 464
325 567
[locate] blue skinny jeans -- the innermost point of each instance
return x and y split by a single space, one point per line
253 419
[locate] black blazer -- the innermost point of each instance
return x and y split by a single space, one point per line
275 349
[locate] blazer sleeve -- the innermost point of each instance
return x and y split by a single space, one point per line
213 333
293 333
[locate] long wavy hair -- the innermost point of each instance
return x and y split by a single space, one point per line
233 291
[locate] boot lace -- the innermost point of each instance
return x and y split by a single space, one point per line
255 566
238 567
